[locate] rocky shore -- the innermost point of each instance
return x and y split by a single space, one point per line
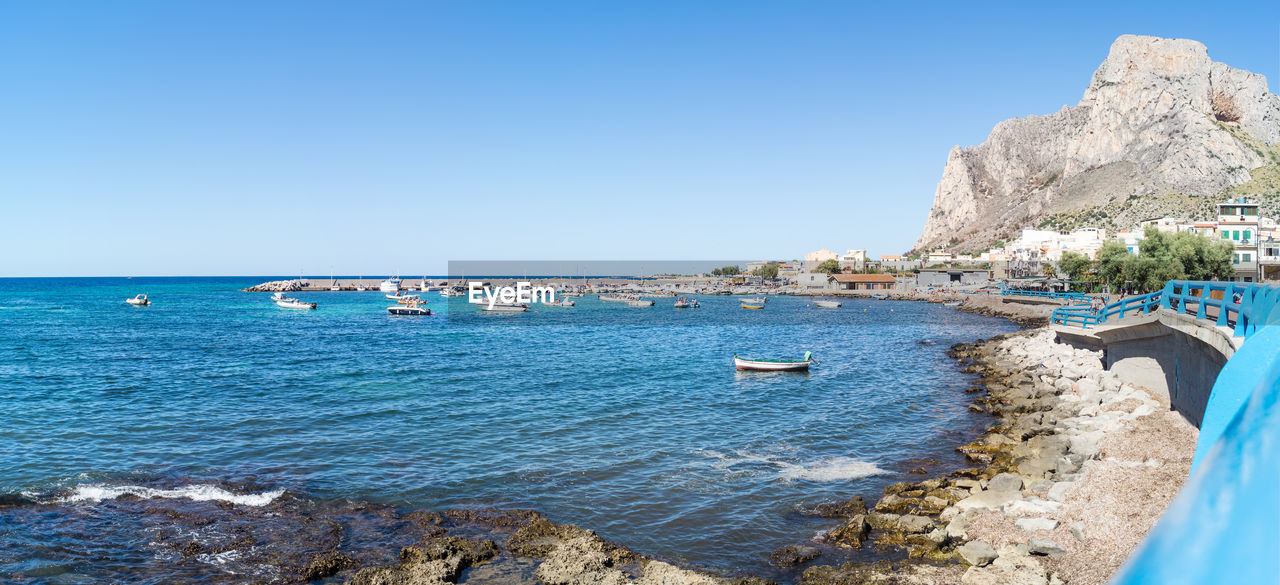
1074 470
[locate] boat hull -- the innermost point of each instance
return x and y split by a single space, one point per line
828 304
295 305
746 306
414 311
766 366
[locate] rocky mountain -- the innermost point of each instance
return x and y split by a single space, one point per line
1161 129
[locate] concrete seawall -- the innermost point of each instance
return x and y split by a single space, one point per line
1171 354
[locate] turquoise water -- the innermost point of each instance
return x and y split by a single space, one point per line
631 422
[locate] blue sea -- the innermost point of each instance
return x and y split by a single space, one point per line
631 422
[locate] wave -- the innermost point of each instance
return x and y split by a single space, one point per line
835 469
200 492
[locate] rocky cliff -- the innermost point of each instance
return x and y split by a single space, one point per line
1160 122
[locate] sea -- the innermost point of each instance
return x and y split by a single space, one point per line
208 436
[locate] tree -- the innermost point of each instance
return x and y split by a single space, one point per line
727 271
768 271
1077 267
828 266
1111 260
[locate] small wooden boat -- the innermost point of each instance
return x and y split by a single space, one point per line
747 305
828 304
756 301
139 301
951 304
775 365
290 303
639 303
880 296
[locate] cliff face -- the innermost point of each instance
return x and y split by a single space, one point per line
1159 117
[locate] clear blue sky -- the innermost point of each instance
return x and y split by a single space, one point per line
172 138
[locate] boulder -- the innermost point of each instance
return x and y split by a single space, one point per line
851 534
977 553
1058 492
1005 482
581 560
660 573
1034 524
986 500
913 523
789 556
1045 547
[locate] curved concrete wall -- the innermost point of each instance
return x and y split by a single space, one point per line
1167 353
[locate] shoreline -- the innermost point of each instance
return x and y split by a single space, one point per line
932 523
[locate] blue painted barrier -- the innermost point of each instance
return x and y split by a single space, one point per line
1224 526
1071 296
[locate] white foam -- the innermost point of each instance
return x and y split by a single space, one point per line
835 469
200 493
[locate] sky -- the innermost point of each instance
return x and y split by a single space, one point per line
312 137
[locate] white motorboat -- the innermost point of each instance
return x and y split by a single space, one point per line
559 303
616 298
755 301
409 300
390 285
395 297
290 303
684 303
951 304
639 303
879 296
335 287
828 304
139 301
412 308
450 292
504 308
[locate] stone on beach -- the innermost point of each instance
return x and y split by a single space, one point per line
977 553
1034 524
987 500
1043 546
1005 482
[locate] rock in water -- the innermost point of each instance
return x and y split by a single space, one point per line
1159 118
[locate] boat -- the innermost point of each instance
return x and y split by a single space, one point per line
412 308
560 303
683 303
393 297
390 285
335 286
748 305
139 301
756 301
290 303
639 303
828 304
615 298
505 308
359 288
951 304
775 365
880 296
409 300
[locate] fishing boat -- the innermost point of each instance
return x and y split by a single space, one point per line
639 303
290 303
828 304
139 301
390 285
335 287
775 365
748 305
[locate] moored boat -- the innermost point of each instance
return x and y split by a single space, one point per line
560 303
639 303
828 304
683 303
411 308
951 304
748 305
290 303
774 365
880 296
756 301
505 308
390 285
139 301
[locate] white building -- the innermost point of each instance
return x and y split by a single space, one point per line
853 260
